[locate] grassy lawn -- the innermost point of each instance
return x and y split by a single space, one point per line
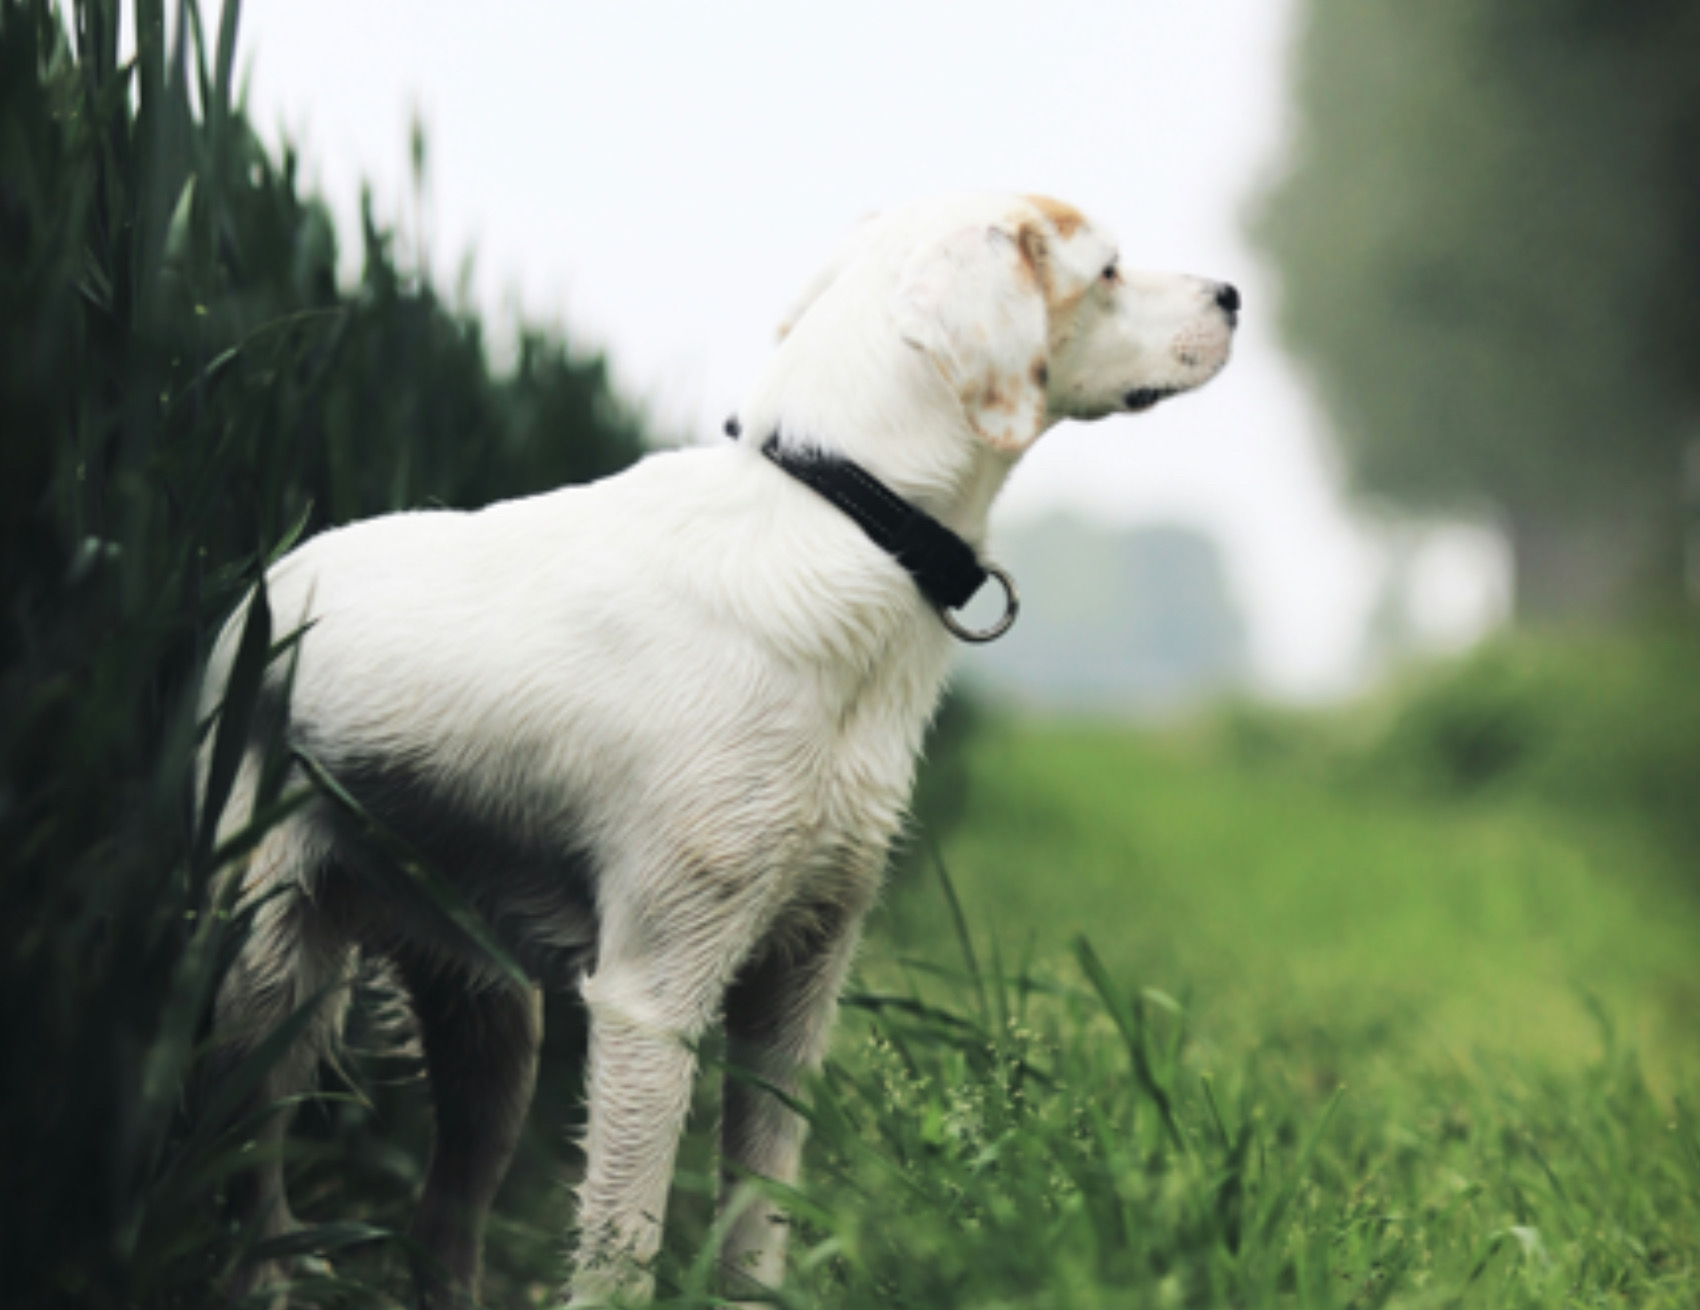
1390 927
1210 1027
1330 1045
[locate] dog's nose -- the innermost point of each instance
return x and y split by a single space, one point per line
1228 298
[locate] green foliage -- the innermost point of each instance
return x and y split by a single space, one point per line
1047 1136
1602 725
1609 726
1078 1148
185 389
1291 880
1488 236
1477 971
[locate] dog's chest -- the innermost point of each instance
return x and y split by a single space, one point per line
843 821
864 769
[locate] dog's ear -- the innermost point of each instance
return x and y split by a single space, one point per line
853 245
974 302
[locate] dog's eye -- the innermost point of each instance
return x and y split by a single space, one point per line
1109 274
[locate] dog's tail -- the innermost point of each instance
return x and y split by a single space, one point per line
297 959
287 955
294 963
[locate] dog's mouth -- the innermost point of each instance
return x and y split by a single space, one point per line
1144 398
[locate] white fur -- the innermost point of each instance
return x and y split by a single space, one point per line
703 680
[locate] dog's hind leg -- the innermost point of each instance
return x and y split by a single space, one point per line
779 1017
293 955
481 1047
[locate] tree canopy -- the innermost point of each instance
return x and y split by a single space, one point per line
1489 235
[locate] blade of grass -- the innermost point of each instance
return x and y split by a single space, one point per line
1290 1185
240 843
1231 1189
438 890
960 923
1131 1023
227 25
319 1239
1208 1083
880 1003
238 1084
1000 993
291 535
912 963
235 720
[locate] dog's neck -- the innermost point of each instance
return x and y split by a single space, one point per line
880 402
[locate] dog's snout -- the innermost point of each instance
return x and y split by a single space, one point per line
1228 298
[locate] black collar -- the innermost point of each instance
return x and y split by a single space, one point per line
944 566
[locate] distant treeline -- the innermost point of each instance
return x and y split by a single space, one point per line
1489 233
184 388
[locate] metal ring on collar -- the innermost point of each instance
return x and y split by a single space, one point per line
1012 607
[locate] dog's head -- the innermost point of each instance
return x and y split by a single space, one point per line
1023 308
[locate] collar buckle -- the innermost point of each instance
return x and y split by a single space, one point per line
1011 607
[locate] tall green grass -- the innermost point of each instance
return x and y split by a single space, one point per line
1059 1139
1448 1037
1192 1023
1325 1038
185 389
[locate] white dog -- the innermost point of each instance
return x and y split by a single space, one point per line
662 730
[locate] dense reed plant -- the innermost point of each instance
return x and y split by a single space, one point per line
184 390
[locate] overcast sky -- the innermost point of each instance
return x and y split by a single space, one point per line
662 178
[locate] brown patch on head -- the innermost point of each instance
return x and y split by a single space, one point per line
1031 246
995 398
1066 219
1035 258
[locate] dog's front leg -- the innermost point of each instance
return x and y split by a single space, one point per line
647 1010
779 1017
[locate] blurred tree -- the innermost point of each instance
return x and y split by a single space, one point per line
1490 237
1138 619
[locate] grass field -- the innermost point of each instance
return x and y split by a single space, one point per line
1200 1025
1391 926
1328 1044
1208 1026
